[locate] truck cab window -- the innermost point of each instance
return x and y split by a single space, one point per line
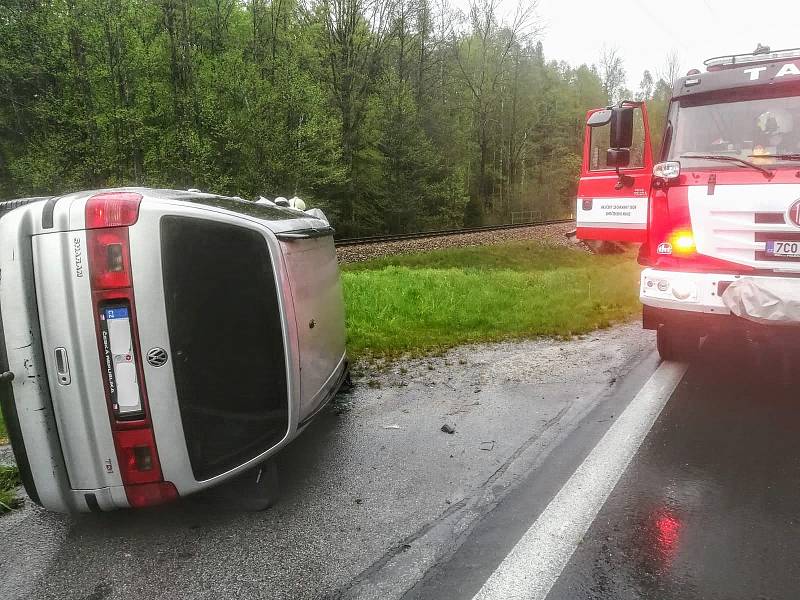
759 128
600 142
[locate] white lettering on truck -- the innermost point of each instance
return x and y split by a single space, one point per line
787 69
755 72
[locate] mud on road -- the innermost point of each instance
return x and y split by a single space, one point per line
374 493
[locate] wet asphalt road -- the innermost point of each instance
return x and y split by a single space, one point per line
371 498
708 508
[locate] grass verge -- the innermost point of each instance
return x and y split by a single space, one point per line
3 432
430 301
9 480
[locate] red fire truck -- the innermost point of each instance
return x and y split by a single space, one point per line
716 209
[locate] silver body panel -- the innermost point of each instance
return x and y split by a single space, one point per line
319 314
68 427
23 345
67 321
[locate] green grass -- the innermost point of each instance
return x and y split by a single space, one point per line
430 301
9 480
9 477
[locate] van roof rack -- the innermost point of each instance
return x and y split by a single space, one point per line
759 55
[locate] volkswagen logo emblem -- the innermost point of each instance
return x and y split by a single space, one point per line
157 357
794 213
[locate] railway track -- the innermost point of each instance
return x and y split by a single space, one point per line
377 239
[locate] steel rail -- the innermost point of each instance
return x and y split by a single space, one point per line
377 239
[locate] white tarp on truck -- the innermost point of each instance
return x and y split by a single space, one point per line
765 300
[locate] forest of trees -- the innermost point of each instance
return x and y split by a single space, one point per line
391 115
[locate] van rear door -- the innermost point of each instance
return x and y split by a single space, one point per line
611 206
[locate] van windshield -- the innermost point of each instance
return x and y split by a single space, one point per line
750 127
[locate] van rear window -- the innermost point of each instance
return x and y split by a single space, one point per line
226 337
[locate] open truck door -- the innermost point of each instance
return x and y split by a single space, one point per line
615 175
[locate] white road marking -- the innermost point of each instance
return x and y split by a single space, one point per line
532 567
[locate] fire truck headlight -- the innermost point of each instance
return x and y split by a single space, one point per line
684 290
667 170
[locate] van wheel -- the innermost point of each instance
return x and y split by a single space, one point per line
675 344
253 490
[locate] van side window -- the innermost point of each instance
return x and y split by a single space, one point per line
600 142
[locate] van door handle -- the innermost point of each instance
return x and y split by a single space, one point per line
62 367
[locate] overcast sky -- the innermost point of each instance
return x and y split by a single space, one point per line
646 31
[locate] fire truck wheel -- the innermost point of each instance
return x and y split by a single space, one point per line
677 345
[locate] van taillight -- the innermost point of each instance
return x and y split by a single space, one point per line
108 216
150 494
109 258
140 469
138 457
112 209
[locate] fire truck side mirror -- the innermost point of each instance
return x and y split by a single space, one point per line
618 157
622 127
599 118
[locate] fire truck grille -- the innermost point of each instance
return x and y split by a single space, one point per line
769 217
726 226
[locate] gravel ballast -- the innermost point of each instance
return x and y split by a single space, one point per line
551 235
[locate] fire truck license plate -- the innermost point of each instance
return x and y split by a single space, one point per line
783 248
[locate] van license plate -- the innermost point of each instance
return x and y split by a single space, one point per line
791 249
120 359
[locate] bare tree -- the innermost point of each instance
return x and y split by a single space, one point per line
612 73
646 86
670 70
177 22
356 33
219 22
269 19
442 25
485 60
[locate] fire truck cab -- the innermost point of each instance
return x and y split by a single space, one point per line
716 210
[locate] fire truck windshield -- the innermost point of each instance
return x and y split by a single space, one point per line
763 131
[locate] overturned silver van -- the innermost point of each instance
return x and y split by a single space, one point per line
154 343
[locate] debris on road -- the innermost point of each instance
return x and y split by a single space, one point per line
450 429
463 409
488 446
395 426
342 403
